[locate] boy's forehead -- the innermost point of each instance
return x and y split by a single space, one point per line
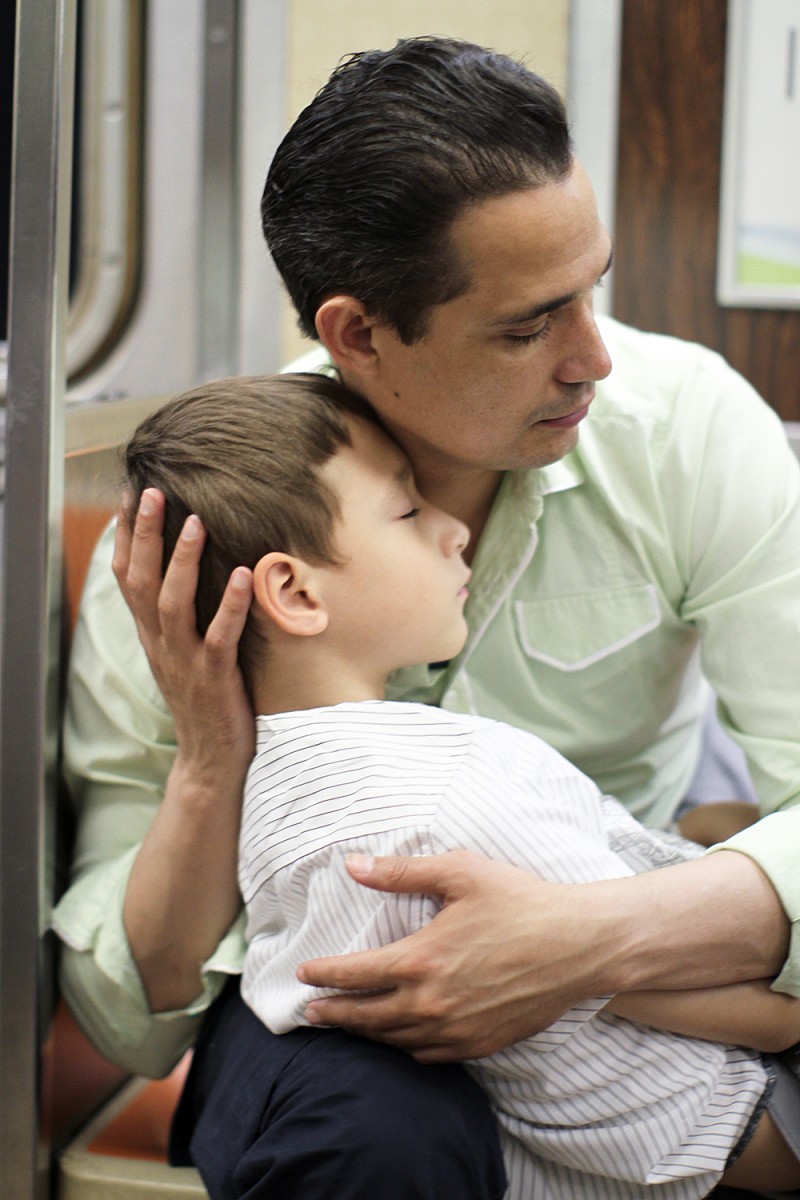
373 460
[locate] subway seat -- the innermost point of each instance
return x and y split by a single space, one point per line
121 1154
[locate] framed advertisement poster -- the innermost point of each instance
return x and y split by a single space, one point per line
759 244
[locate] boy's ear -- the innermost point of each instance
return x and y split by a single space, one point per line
284 587
346 332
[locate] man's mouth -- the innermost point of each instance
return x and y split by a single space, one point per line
572 418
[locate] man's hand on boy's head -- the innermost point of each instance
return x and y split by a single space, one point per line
198 677
503 959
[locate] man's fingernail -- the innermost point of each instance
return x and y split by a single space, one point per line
147 505
362 864
191 528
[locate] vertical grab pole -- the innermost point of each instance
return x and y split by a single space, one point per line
30 582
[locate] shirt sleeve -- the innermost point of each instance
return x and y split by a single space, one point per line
774 844
742 557
737 538
118 750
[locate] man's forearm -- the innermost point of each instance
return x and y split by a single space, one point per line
508 954
706 923
182 895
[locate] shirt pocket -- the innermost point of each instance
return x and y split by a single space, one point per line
575 633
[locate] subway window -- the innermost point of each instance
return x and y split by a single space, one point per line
107 179
7 31
106 226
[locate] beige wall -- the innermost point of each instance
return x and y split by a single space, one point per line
321 32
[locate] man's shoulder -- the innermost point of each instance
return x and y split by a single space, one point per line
651 371
632 342
664 396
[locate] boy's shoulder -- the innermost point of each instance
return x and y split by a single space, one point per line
368 721
374 733
399 729
360 765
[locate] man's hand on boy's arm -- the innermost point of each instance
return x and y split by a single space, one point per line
741 1014
509 953
182 894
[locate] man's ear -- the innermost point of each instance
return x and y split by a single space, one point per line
285 589
346 332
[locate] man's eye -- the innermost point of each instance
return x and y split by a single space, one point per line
525 339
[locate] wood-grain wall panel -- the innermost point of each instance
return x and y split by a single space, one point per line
670 137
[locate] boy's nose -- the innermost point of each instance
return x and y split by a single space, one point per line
458 536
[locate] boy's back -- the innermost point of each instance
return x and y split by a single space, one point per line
593 1092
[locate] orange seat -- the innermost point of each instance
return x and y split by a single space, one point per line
141 1128
122 1153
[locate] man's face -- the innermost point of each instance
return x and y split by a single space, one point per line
505 372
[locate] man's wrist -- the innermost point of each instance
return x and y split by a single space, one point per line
200 782
710 922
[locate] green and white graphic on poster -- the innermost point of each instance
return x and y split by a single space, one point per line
759 251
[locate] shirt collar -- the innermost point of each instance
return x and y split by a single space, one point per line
560 476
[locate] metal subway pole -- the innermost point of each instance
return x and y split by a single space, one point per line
30 582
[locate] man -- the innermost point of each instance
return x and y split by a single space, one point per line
437 235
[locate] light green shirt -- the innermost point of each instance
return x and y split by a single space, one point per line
665 548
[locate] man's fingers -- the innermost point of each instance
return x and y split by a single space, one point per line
122 535
225 630
177 595
358 1013
435 875
384 1019
139 575
364 971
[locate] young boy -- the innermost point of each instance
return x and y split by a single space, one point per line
355 576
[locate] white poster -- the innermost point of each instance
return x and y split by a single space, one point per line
759 248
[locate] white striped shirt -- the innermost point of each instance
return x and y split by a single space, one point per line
594 1106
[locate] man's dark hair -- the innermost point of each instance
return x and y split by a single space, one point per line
364 188
244 455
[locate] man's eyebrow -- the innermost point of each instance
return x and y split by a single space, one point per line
548 306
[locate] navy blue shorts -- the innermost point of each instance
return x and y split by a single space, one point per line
319 1113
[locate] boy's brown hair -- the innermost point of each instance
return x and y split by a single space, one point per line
244 455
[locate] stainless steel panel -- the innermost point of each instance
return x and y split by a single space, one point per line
44 84
218 321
